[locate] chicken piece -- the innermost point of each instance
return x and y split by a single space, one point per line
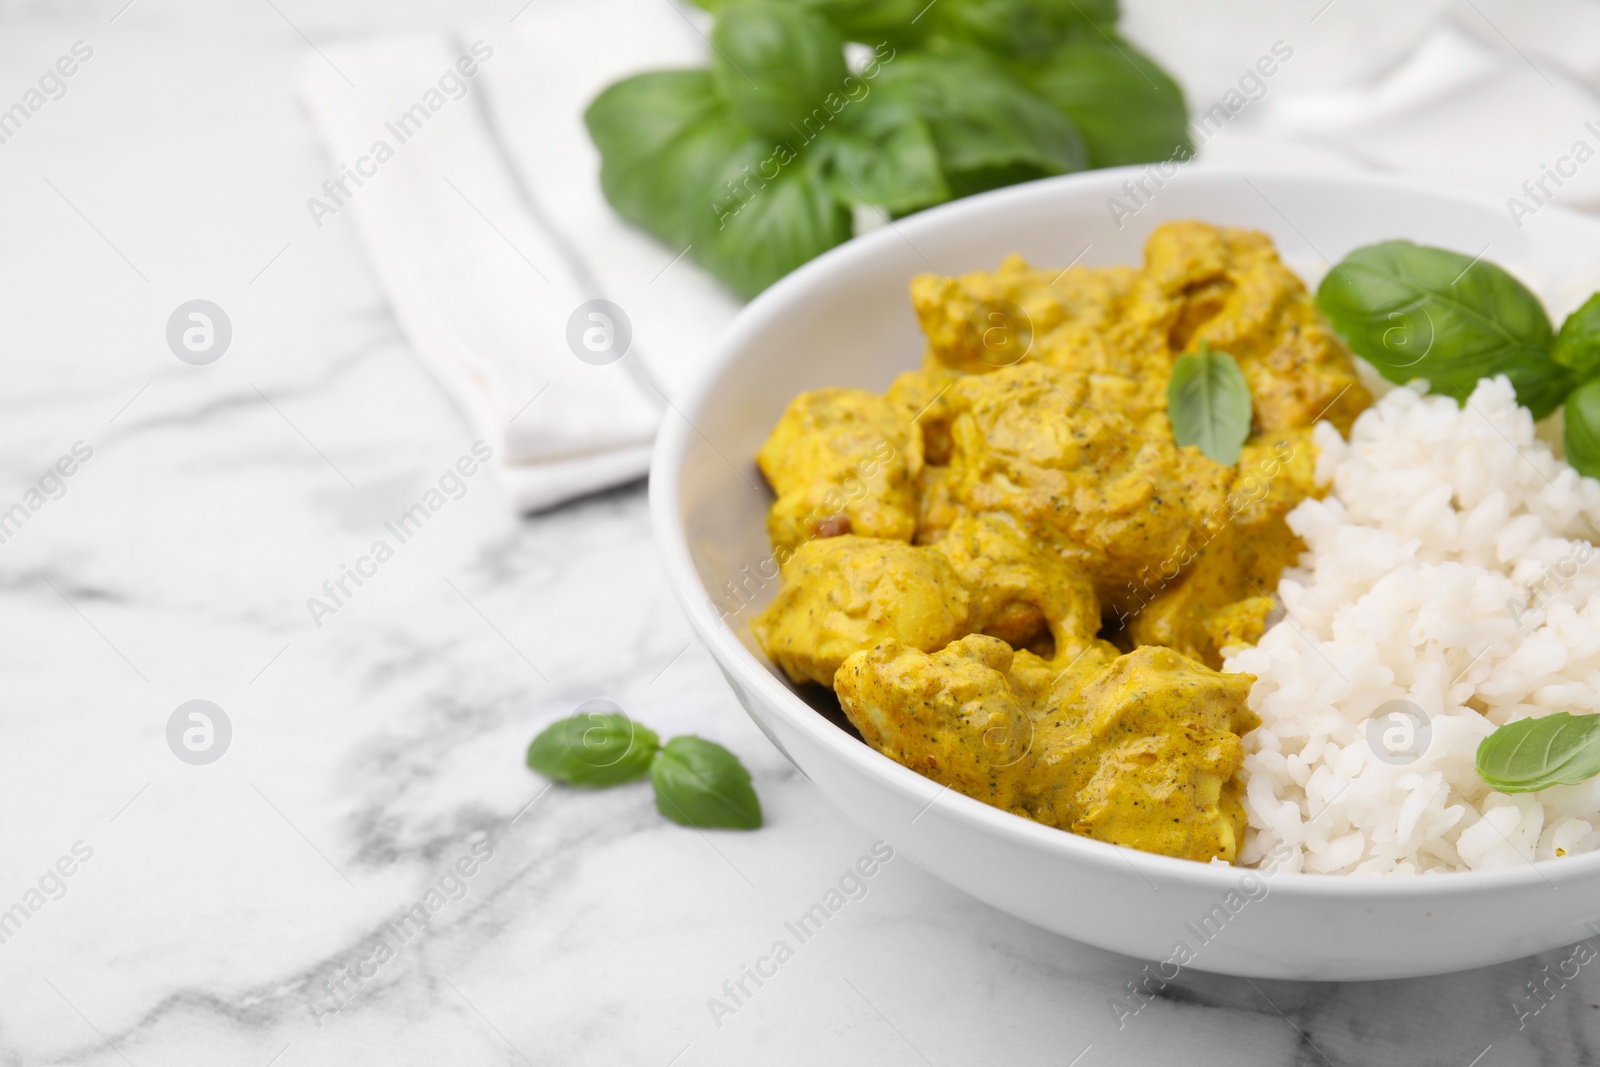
1140 750
1235 293
1025 593
842 594
939 509
922 396
952 716
1035 678
1145 755
1030 443
841 461
1221 597
980 322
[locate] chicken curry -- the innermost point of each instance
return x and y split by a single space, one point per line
1012 577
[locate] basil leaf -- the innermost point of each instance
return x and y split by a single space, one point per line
699 783
675 162
1127 109
1582 433
1578 343
883 154
1533 754
779 64
764 229
988 128
1021 27
596 747
1208 402
664 140
876 21
1418 312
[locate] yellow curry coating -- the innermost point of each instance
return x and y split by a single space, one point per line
1016 582
1199 282
952 716
843 593
1023 592
841 461
1032 442
1202 603
1141 751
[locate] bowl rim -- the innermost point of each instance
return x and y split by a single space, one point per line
664 491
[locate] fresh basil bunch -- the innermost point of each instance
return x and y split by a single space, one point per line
1418 312
756 163
697 782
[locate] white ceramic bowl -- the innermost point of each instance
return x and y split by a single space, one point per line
845 320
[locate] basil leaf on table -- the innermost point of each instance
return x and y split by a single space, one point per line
1582 433
882 153
1578 344
1127 109
701 784
665 139
594 749
1418 312
1533 754
1208 404
988 128
777 63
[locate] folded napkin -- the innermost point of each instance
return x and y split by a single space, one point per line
463 162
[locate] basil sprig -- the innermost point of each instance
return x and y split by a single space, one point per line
1533 754
697 782
594 748
755 165
1208 403
700 783
1419 312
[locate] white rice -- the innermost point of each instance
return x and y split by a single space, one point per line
1450 566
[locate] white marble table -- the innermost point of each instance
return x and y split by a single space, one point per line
220 905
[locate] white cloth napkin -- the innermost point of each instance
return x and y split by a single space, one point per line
487 227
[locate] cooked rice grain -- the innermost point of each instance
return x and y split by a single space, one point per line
1450 565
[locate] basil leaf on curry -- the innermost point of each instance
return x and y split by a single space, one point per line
1208 403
